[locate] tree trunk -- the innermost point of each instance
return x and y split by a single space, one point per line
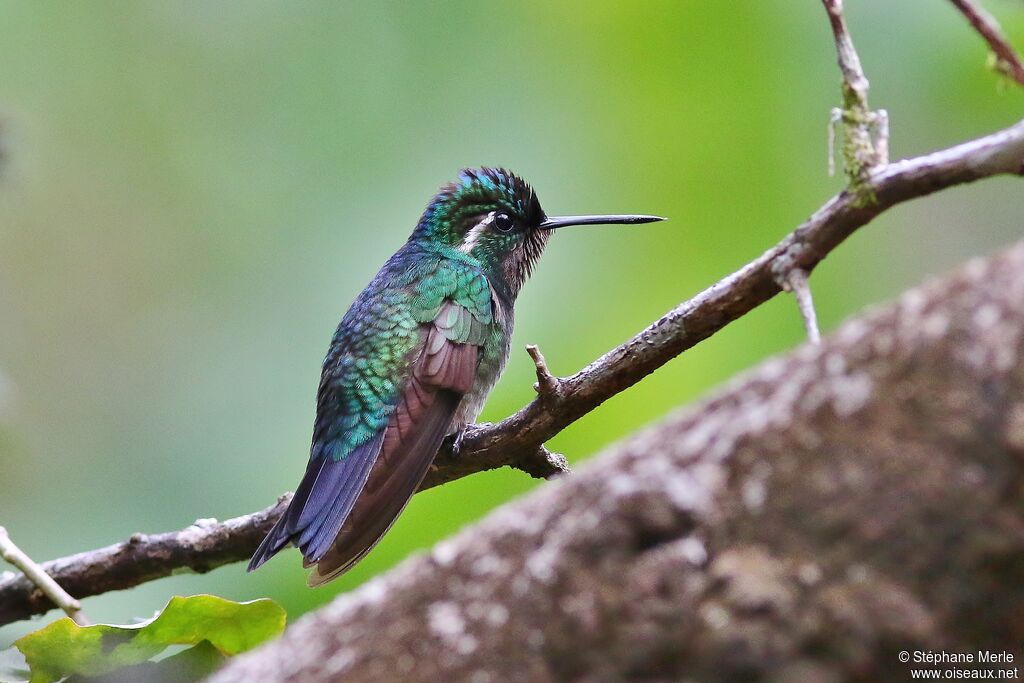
818 516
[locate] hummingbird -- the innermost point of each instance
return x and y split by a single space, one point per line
412 362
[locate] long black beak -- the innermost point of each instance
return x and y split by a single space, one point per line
564 221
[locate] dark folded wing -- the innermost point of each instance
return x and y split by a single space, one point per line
441 376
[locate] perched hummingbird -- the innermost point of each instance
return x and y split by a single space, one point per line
412 362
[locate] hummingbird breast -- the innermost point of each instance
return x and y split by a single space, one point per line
493 357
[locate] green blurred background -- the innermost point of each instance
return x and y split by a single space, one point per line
193 192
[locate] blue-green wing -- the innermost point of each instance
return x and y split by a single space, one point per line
400 363
443 373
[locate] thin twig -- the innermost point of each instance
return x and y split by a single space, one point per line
547 385
860 152
518 440
1008 62
43 581
796 282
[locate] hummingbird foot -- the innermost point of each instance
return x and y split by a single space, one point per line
457 439
457 443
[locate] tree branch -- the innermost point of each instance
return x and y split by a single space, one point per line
705 548
495 445
1008 62
43 581
517 441
201 547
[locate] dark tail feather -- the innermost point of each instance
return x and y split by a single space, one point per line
388 490
343 486
277 539
321 503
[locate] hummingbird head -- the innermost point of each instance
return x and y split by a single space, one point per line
493 216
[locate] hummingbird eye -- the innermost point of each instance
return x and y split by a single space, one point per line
503 222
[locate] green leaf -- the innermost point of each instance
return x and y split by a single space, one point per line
64 648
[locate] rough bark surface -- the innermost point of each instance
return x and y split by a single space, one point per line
822 513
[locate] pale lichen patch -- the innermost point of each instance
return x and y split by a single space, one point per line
715 616
693 550
341 660
809 573
755 492
445 552
445 621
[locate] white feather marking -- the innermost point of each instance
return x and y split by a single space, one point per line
475 233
